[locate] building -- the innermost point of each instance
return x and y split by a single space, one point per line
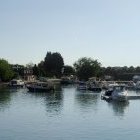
28 75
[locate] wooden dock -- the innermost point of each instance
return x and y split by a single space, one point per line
129 97
133 97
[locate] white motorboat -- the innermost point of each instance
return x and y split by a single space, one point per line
117 92
137 86
16 83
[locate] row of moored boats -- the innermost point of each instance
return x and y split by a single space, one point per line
112 92
37 86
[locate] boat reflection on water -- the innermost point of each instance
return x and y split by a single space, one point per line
53 101
87 100
137 92
5 98
118 107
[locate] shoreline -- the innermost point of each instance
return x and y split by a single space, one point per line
3 84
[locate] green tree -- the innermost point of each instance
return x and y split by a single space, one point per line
86 68
6 72
53 64
41 69
18 70
68 70
36 70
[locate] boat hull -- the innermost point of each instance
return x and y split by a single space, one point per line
120 98
81 88
107 98
95 89
35 89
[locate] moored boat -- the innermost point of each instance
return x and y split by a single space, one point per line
16 83
137 86
82 85
95 89
117 92
66 80
94 86
40 87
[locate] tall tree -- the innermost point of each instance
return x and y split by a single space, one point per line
36 70
53 64
86 68
6 72
41 69
18 70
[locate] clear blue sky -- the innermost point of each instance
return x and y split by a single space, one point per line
107 30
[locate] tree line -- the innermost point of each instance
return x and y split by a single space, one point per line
53 66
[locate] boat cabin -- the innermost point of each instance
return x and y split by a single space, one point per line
116 88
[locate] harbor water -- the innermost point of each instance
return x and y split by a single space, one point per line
66 114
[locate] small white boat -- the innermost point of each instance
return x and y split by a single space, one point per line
137 85
111 85
16 83
82 85
117 92
131 85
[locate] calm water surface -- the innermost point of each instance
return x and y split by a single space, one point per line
67 114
